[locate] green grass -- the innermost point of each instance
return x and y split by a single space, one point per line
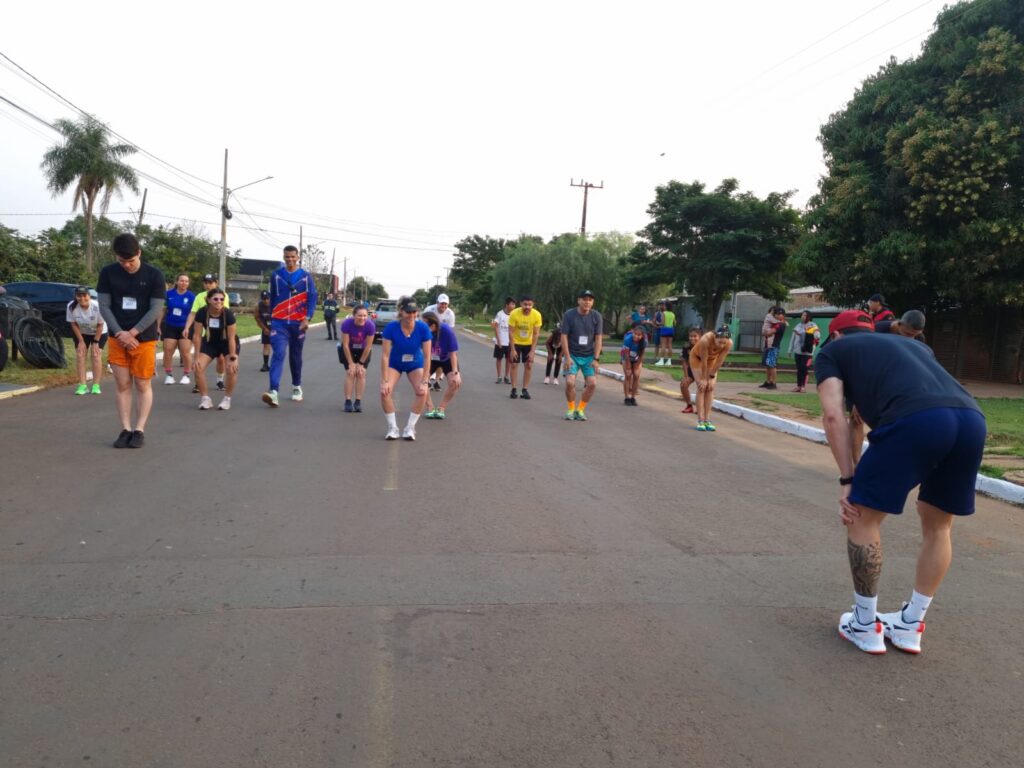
990 471
1005 417
806 402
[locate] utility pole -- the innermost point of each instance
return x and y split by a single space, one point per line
225 214
300 246
142 210
330 277
587 186
344 281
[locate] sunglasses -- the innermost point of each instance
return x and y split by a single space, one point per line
217 298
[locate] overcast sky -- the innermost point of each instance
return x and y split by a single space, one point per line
393 129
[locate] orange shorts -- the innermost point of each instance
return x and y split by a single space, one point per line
140 362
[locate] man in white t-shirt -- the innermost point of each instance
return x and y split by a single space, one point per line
443 310
502 345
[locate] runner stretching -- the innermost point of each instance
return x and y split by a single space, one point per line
705 360
406 349
634 345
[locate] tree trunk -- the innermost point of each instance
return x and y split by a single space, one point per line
89 201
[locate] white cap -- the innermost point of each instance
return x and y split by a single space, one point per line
443 299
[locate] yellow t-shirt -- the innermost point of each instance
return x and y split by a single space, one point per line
521 325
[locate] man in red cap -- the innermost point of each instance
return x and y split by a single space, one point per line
927 430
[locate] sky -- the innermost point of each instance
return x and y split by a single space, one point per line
394 129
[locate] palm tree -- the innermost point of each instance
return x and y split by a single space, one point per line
87 159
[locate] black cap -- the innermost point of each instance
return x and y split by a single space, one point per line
209 278
264 294
725 332
81 290
410 306
585 294
877 297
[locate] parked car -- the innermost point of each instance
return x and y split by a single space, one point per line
385 311
235 300
51 299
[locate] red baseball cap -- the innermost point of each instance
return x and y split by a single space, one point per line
851 318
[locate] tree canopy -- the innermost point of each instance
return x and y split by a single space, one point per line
475 258
924 196
708 244
88 160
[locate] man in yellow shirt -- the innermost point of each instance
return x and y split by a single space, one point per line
524 324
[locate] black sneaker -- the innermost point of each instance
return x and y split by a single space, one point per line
123 439
764 385
625 401
513 394
357 406
437 385
265 368
195 389
526 395
220 384
632 401
772 386
138 439
507 380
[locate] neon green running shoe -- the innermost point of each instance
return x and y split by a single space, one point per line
581 416
709 427
701 426
96 389
570 415
82 389
439 414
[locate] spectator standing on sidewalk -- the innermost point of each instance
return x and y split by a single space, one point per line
773 329
879 310
331 317
502 342
806 336
131 297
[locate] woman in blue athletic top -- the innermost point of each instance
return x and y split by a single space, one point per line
406 348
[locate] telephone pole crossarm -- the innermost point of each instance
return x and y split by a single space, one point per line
587 186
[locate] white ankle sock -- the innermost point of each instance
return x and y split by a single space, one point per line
413 418
391 419
917 607
865 608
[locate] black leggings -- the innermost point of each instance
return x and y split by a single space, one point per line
556 360
802 363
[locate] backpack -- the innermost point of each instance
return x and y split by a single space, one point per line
807 347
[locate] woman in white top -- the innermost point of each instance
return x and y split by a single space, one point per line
805 338
87 325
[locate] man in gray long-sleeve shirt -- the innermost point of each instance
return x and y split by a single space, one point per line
131 298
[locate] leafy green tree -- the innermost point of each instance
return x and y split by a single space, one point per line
924 196
361 289
475 259
711 243
50 256
184 248
88 161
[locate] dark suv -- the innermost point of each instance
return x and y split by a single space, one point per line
51 299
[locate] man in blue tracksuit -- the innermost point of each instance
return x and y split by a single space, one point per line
292 302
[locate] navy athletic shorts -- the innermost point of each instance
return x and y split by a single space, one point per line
939 449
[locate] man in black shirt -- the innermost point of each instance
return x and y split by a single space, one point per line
263 310
331 316
927 430
131 297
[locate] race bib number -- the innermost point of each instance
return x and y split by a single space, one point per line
583 341
435 356
407 358
214 322
129 303
524 333
176 311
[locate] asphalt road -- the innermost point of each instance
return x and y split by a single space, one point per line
285 588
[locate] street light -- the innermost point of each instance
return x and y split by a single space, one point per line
225 214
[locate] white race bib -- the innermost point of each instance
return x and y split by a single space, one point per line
583 341
214 322
524 333
176 311
129 303
407 358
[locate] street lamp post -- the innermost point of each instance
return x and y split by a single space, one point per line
225 214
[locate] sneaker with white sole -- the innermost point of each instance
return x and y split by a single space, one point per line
409 433
547 379
205 403
220 384
903 634
870 638
393 433
225 404
169 379
185 380
297 394
270 398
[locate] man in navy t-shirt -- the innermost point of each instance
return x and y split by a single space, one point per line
927 430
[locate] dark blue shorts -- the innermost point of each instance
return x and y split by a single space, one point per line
939 449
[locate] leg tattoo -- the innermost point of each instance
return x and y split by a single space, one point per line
865 566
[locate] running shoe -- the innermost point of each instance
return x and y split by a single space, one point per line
526 395
205 403
580 416
555 381
709 427
81 389
868 637
701 427
632 401
513 394
185 380
123 439
547 379
905 635
225 404
763 385
409 433
570 415
439 414
688 409
357 406
96 389
138 439
270 398
264 368
348 406
393 433
437 385
169 379
431 414
195 389
220 384
297 394
625 401
498 380
507 380
772 386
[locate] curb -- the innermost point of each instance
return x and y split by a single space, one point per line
990 486
17 392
